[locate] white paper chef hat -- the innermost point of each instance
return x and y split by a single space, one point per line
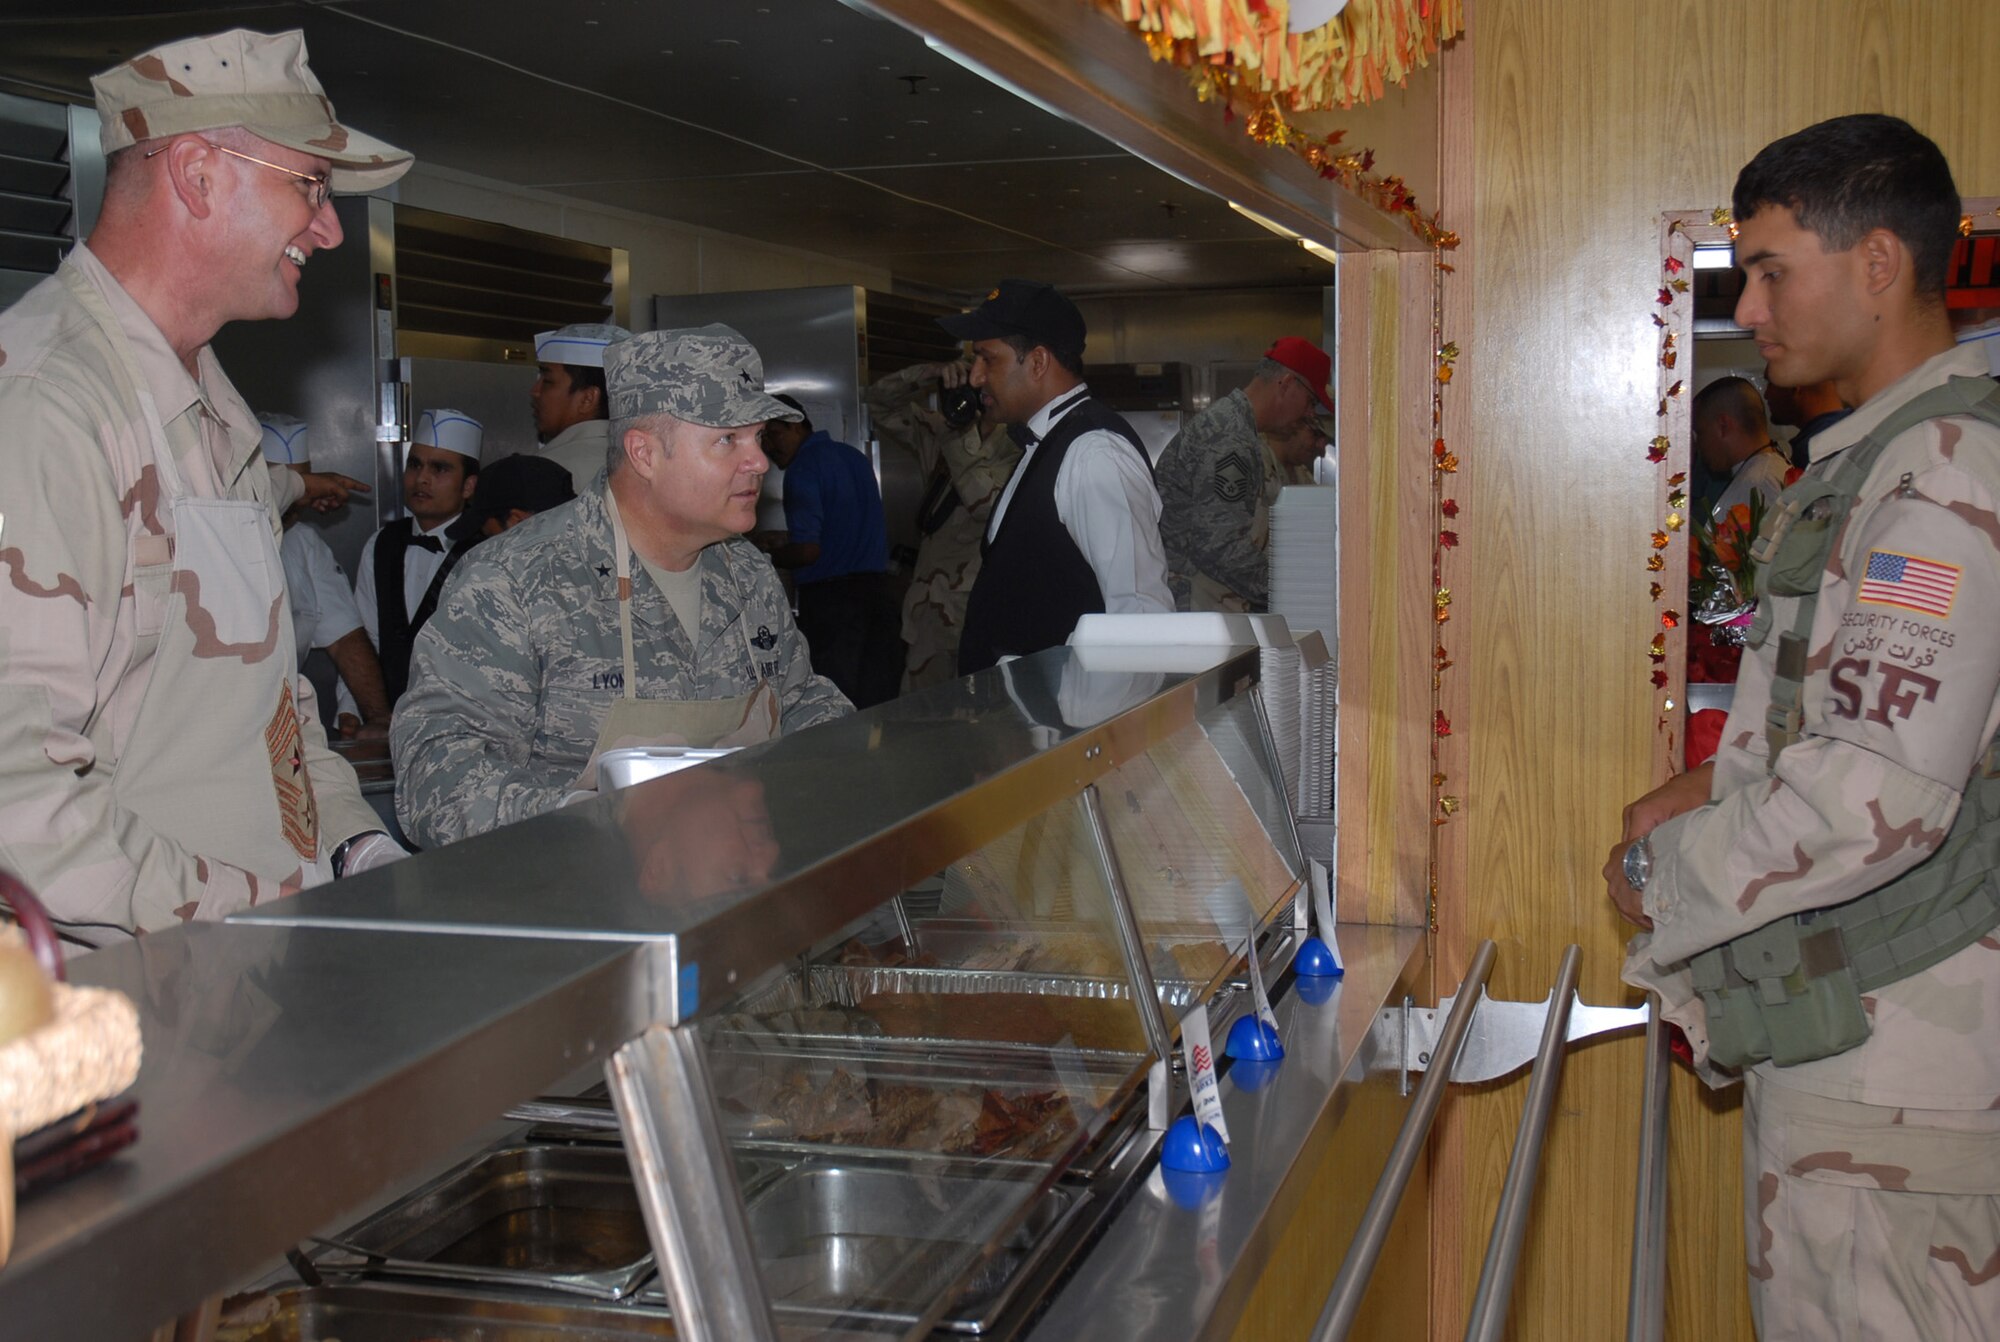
580 343
285 440
452 430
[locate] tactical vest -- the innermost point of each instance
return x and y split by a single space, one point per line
1790 992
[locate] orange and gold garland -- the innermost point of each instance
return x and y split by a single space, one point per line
1240 53
1351 59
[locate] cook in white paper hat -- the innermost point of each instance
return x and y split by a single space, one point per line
579 345
286 440
569 401
452 430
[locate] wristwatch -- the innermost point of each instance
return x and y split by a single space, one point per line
339 858
1638 862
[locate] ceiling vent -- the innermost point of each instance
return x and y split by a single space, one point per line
51 176
902 331
470 289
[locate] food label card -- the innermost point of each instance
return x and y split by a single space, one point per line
1323 909
1200 1056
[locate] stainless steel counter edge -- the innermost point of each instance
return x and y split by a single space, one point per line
290 1076
869 804
1164 1271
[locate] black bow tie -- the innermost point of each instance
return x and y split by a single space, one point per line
1023 436
431 543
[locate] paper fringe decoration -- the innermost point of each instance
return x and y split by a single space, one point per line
1240 53
1354 58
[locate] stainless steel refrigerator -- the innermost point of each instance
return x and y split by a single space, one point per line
824 344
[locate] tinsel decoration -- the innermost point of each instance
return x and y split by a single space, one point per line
1240 53
1354 58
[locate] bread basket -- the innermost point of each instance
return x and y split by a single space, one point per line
55 1079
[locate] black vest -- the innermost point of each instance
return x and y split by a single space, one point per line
1034 583
399 627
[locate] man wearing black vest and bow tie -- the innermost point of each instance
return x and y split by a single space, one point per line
1077 530
404 566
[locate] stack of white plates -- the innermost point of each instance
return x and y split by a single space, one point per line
1304 558
1279 676
1318 696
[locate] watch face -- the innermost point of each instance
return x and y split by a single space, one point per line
1638 864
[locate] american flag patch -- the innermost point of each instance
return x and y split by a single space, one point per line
1909 583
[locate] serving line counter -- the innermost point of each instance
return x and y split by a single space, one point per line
885 1005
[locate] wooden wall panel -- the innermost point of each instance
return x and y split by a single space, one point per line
1588 121
1385 509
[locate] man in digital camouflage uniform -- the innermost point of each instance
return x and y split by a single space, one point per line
160 756
1821 898
525 674
1214 507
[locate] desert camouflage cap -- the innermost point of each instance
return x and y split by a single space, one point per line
259 81
706 375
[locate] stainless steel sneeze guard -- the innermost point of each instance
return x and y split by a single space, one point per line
686 1179
427 999
949 769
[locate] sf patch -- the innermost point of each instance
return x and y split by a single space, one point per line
1231 482
765 639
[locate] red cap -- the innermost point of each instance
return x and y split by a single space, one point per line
1306 359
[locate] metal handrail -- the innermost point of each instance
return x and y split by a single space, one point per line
1517 1195
1343 1302
1646 1305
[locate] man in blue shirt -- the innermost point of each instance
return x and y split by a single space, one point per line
837 549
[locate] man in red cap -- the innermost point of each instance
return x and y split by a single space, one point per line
1214 507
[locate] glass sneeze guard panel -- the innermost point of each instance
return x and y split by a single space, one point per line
927 1078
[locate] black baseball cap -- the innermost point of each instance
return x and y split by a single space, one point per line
1025 308
532 484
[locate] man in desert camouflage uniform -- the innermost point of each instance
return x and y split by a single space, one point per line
547 648
1856 768
160 756
968 468
1216 486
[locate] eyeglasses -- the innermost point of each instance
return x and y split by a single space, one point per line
321 182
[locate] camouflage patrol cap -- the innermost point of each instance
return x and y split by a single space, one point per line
259 81
707 375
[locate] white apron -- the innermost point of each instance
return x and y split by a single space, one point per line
743 720
220 710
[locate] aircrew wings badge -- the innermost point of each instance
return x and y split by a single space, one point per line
1908 582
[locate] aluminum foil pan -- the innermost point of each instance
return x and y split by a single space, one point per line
848 985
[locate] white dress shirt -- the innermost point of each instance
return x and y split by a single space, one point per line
1106 499
419 567
323 610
